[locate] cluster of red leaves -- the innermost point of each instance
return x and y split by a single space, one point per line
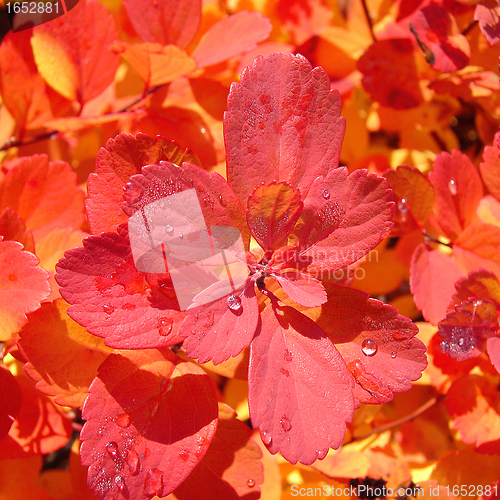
310 347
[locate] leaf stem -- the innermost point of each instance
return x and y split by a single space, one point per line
435 240
471 26
368 19
396 423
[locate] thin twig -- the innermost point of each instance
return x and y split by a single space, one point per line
368 19
471 26
435 240
396 423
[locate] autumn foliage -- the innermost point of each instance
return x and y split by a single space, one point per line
344 156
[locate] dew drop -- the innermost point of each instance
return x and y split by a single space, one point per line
133 462
321 454
266 437
444 346
250 483
123 420
452 186
201 440
199 451
285 372
222 200
288 355
461 341
234 303
169 229
184 455
369 347
393 354
402 205
120 482
153 484
285 423
165 326
180 235
326 194
210 319
112 448
108 308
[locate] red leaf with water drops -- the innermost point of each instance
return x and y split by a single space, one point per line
344 217
488 14
466 330
165 21
490 167
230 37
73 54
123 157
377 343
278 134
458 192
13 228
481 283
43 193
150 419
272 213
231 468
23 285
301 288
437 34
428 267
300 390
10 400
221 328
113 300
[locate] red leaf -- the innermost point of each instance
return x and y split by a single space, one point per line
302 288
219 205
488 14
51 336
429 267
123 157
458 192
272 213
230 37
42 193
274 133
480 284
231 468
466 329
436 30
490 167
377 343
220 329
73 54
390 73
493 349
12 228
150 419
23 285
165 21
344 217
10 400
113 300
300 391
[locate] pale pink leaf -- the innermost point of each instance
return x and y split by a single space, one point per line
301 288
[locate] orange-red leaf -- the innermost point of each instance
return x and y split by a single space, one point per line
230 36
73 53
150 420
62 357
10 400
13 228
23 285
272 213
490 167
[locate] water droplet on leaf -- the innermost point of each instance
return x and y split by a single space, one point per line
169 229
123 420
321 454
234 303
165 326
369 347
210 319
288 355
250 483
108 308
180 235
444 346
285 423
153 485
184 455
452 186
133 462
120 482
112 448
266 437
326 194
393 354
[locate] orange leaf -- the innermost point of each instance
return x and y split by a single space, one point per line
23 285
156 64
490 167
51 336
18 479
72 52
12 228
43 193
10 400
